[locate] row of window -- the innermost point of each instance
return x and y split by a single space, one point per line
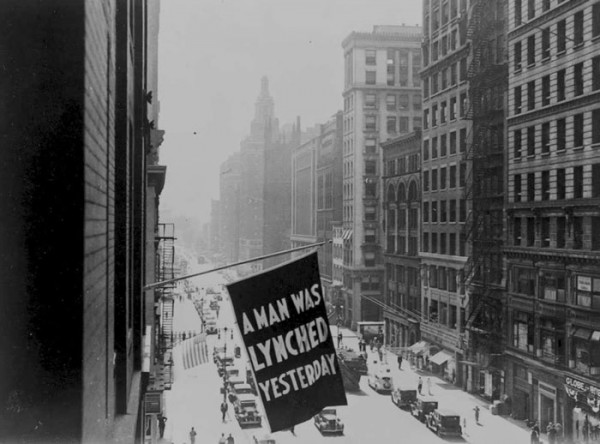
402 165
580 130
449 243
447 177
408 246
543 94
397 224
447 144
445 112
393 124
446 78
445 211
403 76
553 184
557 232
393 102
442 278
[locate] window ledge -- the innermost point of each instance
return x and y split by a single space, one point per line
545 59
546 154
561 53
578 46
578 148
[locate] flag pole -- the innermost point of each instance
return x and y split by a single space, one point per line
266 256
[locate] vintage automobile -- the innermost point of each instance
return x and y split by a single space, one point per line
381 380
246 411
327 421
423 406
404 397
444 423
265 439
232 384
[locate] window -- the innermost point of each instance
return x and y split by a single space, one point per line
453 74
517 100
561 225
434 179
530 187
453 142
545 90
370 57
370 213
545 232
577 232
560 85
426 150
370 100
560 184
443 250
443 211
403 102
531 95
517 55
596 19
434 112
578 182
530 9
531 141
425 180
434 245
530 231
442 178
416 101
370 77
463 69
452 205
425 243
518 12
545 137
463 104
523 335
370 167
452 176
434 211
578 78
443 145
518 143
578 130
391 124
517 231
434 148
425 211
545 185
578 25
425 119
462 211
545 43
444 75
463 138
561 39
596 180
596 73
517 180
463 174
370 146
531 50
403 122
370 123
561 141
596 126
390 102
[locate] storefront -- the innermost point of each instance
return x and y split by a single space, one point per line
584 406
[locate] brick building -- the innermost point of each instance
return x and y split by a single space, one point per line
382 99
552 196
75 87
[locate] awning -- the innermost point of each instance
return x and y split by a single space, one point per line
595 336
440 357
419 347
582 333
347 234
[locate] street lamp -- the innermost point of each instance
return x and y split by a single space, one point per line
224 364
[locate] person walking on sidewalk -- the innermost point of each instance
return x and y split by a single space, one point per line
224 408
399 362
222 439
535 433
420 385
551 431
161 424
476 414
192 436
230 440
339 338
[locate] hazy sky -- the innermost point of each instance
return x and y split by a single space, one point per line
212 54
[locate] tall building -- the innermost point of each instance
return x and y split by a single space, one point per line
317 194
382 99
552 196
402 231
230 220
79 209
263 129
463 133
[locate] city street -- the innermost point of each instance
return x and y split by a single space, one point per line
369 417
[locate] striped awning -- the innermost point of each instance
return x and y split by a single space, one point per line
347 234
194 351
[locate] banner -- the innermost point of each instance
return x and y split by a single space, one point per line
283 322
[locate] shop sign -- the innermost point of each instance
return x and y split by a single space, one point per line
584 283
583 392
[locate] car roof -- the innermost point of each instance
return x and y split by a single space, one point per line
247 397
427 398
446 412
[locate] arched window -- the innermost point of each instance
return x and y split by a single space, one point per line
401 193
391 194
412 192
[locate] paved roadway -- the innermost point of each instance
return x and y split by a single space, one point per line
369 417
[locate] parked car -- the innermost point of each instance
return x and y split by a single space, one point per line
246 411
381 380
423 406
265 439
232 384
404 397
327 421
444 423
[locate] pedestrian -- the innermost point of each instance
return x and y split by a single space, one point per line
420 385
222 439
224 408
535 436
161 424
192 436
372 343
551 431
429 386
559 432
399 362
230 440
476 414
339 337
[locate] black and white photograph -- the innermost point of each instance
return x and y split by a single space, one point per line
299 221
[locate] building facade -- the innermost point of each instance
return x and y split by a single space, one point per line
78 356
382 99
552 196
402 231
229 192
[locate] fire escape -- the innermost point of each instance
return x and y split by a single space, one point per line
482 276
165 299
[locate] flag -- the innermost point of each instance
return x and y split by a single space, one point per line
283 323
194 351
